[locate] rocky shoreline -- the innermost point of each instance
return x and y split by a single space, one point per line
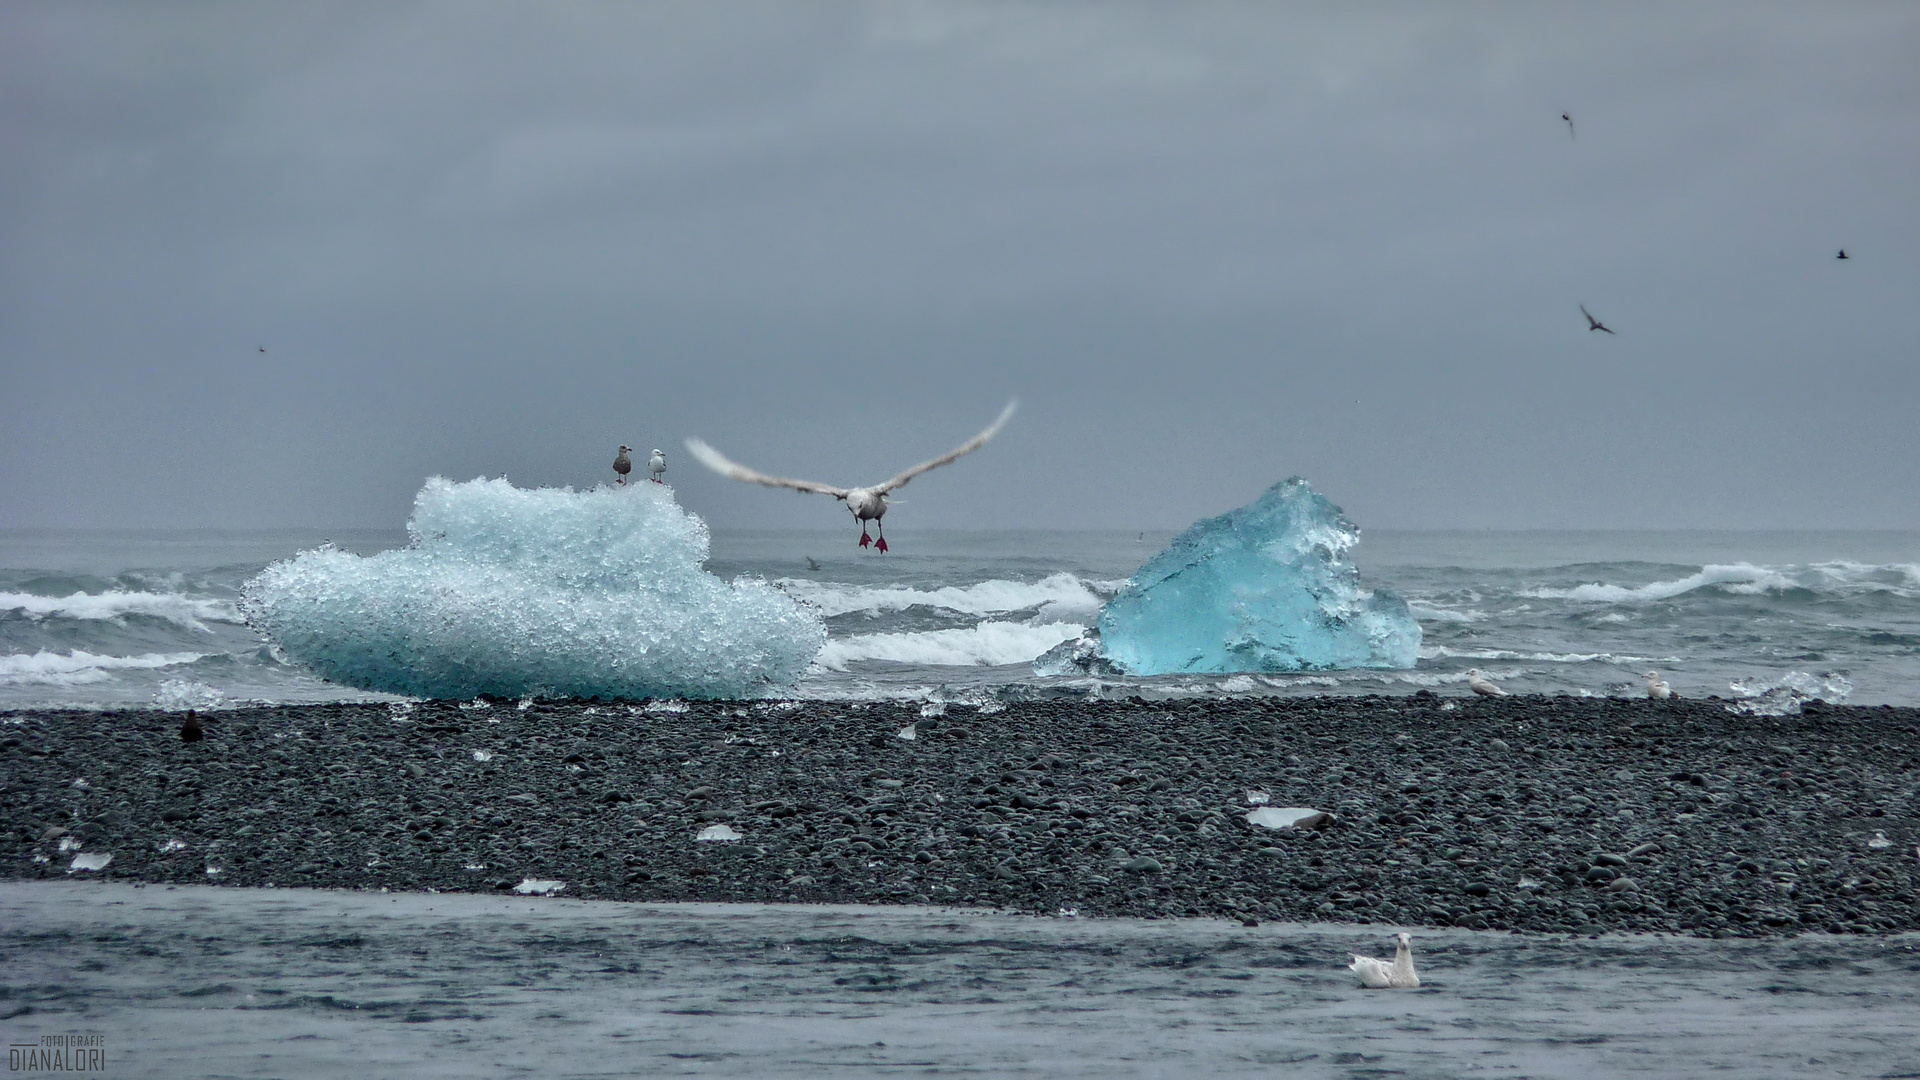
1535 814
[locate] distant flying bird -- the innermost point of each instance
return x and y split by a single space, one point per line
191 731
1593 323
812 565
1569 121
1478 682
657 465
1842 255
623 464
263 348
1380 975
865 503
1657 687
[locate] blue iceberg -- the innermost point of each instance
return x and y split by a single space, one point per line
1266 587
509 592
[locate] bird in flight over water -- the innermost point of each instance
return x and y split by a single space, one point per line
1593 323
1569 121
865 503
1842 255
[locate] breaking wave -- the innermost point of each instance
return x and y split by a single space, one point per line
191 612
1748 579
1060 594
79 667
988 644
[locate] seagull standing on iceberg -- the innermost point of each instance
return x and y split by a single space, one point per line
657 465
1478 682
865 503
623 464
1380 975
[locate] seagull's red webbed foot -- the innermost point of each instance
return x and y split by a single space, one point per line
865 539
880 544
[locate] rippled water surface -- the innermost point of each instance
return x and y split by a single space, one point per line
286 983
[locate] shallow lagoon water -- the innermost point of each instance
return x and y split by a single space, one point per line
278 983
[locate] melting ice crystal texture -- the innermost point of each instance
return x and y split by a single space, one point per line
508 592
1267 587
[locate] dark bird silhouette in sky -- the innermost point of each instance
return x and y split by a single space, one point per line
1593 323
1569 121
263 348
1842 255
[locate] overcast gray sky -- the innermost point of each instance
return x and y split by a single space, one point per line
1208 246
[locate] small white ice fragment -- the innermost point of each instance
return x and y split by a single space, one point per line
89 860
81 784
718 832
476 703
400 709
475 866
906 733
934 708
1879 840
525 703
172 846
667 705
483 755
1069 913
537 887
68 843
1257 798
1280 817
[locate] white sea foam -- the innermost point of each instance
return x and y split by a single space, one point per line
1784 696
188 611
79 666
1058 596
989 643
1743 579
1426 612
1439 652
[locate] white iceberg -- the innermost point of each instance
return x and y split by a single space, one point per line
510 592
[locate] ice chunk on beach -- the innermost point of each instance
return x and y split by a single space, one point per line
1266 587
510 592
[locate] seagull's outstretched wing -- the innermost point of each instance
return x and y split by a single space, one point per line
954 454
715 460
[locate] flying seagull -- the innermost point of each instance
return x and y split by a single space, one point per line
1569 121
1593 323
657 465
1842 255
813 564
623 464
865 503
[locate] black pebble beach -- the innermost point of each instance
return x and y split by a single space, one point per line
1534 814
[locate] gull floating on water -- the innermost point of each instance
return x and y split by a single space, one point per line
865 503
1380 975
1657 687
1593 323
657 465
623 464
1480 684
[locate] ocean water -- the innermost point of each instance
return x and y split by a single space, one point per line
199 981
102 619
